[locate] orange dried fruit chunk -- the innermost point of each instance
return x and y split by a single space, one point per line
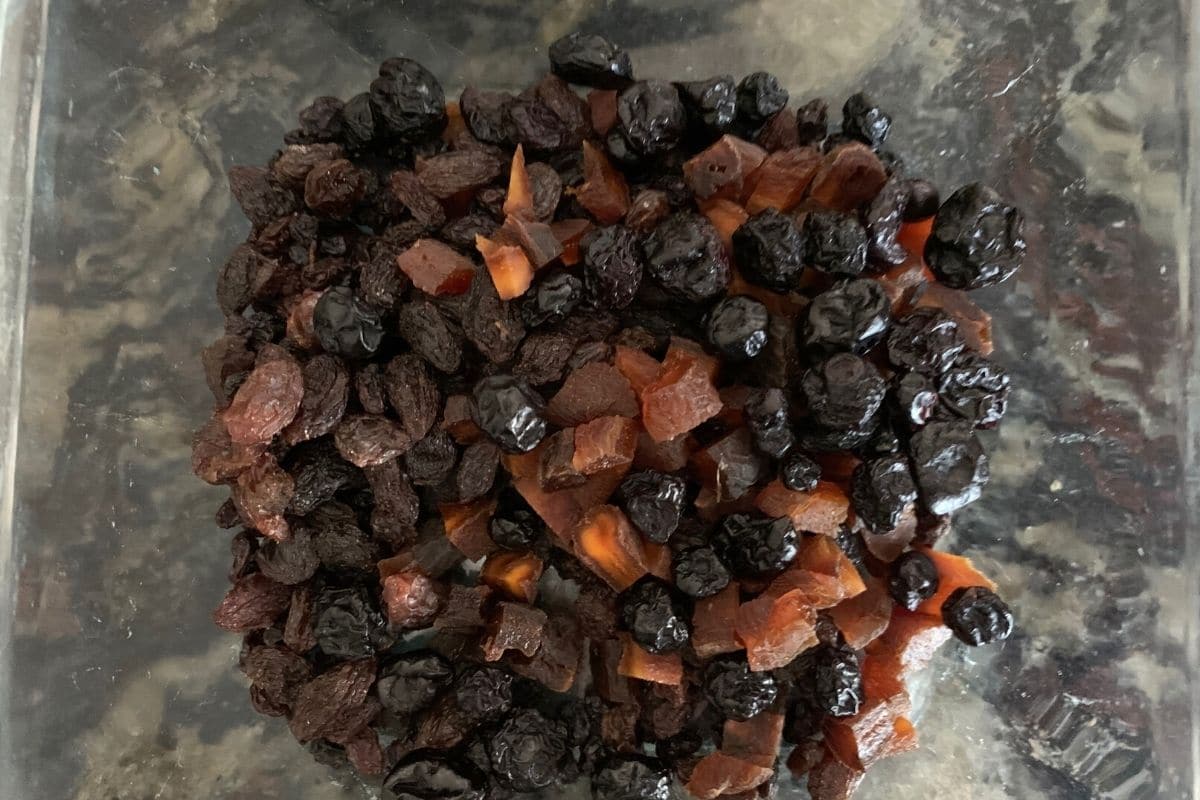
639 367
607 544
823 510
561 510
680 398
685 349
602 104
604 192
436 268
954 572
658 559
514 575
723 169
861 740
911 640
822 571
730 466
888 545
776 629
837 467
569 232
755 740
830 779
904 738
412 599
863 618
667 456
455 124
718 774
902 281
850 176
594 390
726 216
636 662
467 526
713 623
782 179
514 626
974 323
537 239
519 200
508 265
913 235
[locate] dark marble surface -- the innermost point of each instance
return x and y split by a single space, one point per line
119 686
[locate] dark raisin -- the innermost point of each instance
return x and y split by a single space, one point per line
535 126
358 122
737 692
843 392
651 117
699 572
409 100
759 97
430 334
486 114
977 616
883 219
631 777
767 417
685 255
975 389
882 492
916 398
345 325
326 394
711 103
321 120
865 121
552 299
977 239
923 200
926 340
756 547
837 684
510 412
914 579
338 541
590 60
517 529
484 692
799 472
835 243
291 561
243 279
612 266
769 250
737 327
543 357
428 775
812 122
655 618
334 188
476 471
410 195
431 460
525 752
412 682
348 623
949 464
262 199
493 325
654 502
460 233
413 394
853 316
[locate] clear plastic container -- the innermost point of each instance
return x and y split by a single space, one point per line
119 121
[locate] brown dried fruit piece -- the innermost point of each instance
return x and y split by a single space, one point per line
822 510
718 774
413 393
555 470
726 216
411 195
668 456
334 188
561 510
636 662
755 740
569 233
365 753
297 160
782 179
535 238
300 321
266 401
514 626
326 393
604 192
618 728
821 572
681 397
639 368
515 575
508 266
519 200
724 169
397 506
649 207
254 602
226 363
412 599
830 779
330 704
779 132
436 268
467 526
863 618
262 494
713 623
730 466
594 390
298 628
366 440
557 661
602 107
910 642
776 629
464 608
456 171
873 734
216 459
458 419
606 542
278 672
609 683
604 444
850 176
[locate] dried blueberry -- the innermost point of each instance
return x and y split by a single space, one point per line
812 122
737 692
654 502
916 398
525 752
799 472
914 579
977 239
865 121
517 529
409 100
852 316
926 340
737 327
510 412
612 266
755 548
882 490
837 687
975 389
767 417
835 243
699 572
950 466
685 255
651 117
977 616
769 250
345 325
655 618
711 103
843 392
759 97
590 60
412 682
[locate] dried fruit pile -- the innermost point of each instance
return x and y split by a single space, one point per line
600 436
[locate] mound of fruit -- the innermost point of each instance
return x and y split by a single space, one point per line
601 437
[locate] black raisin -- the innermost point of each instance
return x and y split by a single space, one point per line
412 682
651 117
685 255
852 316
590 60
525 752
631 777
408 99
345 325
835 243
737 327
612 266
914 579
769 250
768 418
950 466
977 239
431 336
882 491
975 389
755 548
737 692
799 472
699 572
977 616
843 392
510 412
654 502
759 97
865 121
655 618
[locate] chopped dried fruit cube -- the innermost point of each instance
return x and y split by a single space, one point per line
723 170
602 107
607 543
864 617
514 575
514 626
603 444
610 684
508 266
911 640
464 608
435 268
569 233
412 599
519 200
713 623
913 235
467 526
888 545
830 779
822 572
718 774
636 662
822 510
863 739
638 367
782 179
604 192
557 661
851 176
755 740
681 397
563 510
954 572
668 456
594 390
536 239
776 629
726 216
555 468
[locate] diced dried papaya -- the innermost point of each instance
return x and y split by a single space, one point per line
974 323
782 179
820 556
514 575
638 367
723 169
666 668
883 682
602 105
606 542
563 510
861 740
865 617
514 626
467 526
555 470
667 456
680 398
681 349
713 623
913 235
726 216
569 232
604 192
455 124
519 200
718 774
592 391
902 281
558 660
954 572
509 266
604 443
830 779
850 177
776 629
658 560
535 238
888 545
755 740
436 268
904 738
911 639
823 510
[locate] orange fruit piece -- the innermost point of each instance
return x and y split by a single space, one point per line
667 456
726 216
723 169
514 575
519 200
954 572
602 105
913 235
592 391
467 526
863 619
822 569
638 367
830 779
436 268
782 179
850 176
755 740
713 623
974 323
536 238
718 774
508 265
604 192
604 443
776 629
861 740
636 662
569 232
822 510
607 544
681 397
911 639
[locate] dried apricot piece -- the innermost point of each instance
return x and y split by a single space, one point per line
782 179
592 391
606 542
604 192
519 200
535 238
636 662
514 626
558 660
639 367
681 397
730 466
850 176
913 235
911 640
726 216
514 575
723 169
861 740
668 456
602 105
713 623
954 572
822 571
718 774
863 618
603 444
467 526
569 233
822 510
436 268
776 629
509 266
755 740
830 779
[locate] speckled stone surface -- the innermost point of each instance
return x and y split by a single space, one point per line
120 688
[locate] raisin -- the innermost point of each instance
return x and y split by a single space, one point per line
950 466
556 94
756 547
476 471
431 460
543 358
737 327
408 100
484 692
882 491
914 579
428 775
536 127
883 219
486 115
865 121
977 239
345 325
926 340
347 623
923 200
367 441
461 233
261 198
412 682
799 472
226 364
769 250
266 402
553 299
412 196
654 503
767 417
413 394
737 692
338 541
590 60
335 188
368 388
651 117
291 561
712 103
812 122
685 255
431 335
975 389
977 616
326 394
510 412
835 243
491 324
447 174
262 495
759 97
254 602
631 777
244 278
648 208
843 392
854 316
699 572
517 529
612 266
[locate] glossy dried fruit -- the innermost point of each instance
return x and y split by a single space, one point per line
680 398
612 266
262 494
769 251
408 100
654 616
330 705
843 392
914 579
852 316
977 239
326 394
604 192
425 775
607 544
435 268
591 60
651 117
413 394
347 623
491 324
775 629
835 243
684 254
977 616
724 169
737 327
782 179
411 599
367 441
266 401
949 464
254 602
851 176
883 491
514 575
334 188
862 119
926 340
510 412
430 334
